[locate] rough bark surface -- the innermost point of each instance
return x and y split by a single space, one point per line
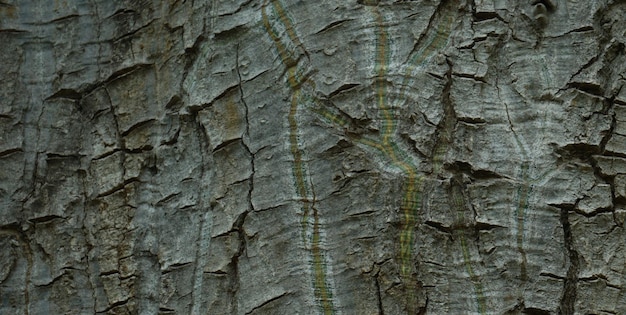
312 157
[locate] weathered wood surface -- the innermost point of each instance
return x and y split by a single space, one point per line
312 157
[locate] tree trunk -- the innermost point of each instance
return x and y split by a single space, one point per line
312 157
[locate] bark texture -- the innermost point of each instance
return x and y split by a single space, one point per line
312 157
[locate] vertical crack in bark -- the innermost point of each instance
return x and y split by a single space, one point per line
434 37
381 310
241 219
568 299
445 129
609 134
234 263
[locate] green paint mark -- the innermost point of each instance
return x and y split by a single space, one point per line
386 148
330 116
296 78
381 64
410 199
434 40
459 207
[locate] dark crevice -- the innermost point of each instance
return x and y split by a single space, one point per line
368 2
444 5
241 6
10 151
124 72
45 219
607 136
108 273
267 302
470 76
165 310
192 53
13 31
472 120
578 152
332 25
226 143
582 29
175 267
434 75
588 64
217 272
569 296
118 187
467 169
136 126
234 32
589 88
439 227
239 222
535 311
269 208
113 305
167 199
141 149
133 32
445 129
483 16
381 310
66 93
235 281
368 212
484 226
179 265
551 275
174 104
595 213
57 156
105 154
227 91
548 4
343 88
123 11
172 140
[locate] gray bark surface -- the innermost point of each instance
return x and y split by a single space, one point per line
312 157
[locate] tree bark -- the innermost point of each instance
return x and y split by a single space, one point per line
312 157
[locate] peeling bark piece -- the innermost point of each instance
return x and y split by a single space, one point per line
598 198
620 185
617 144
611 166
